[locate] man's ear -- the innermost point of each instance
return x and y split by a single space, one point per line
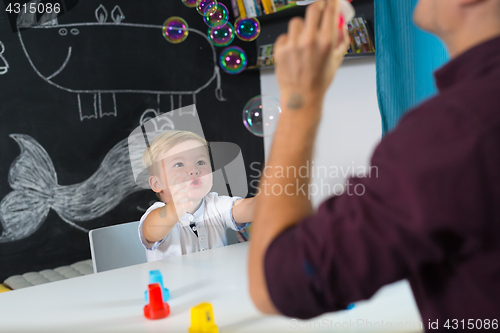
155 184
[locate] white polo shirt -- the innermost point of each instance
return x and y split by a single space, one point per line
212 219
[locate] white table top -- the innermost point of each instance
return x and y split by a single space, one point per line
113 301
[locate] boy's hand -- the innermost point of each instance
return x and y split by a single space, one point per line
160 222
181 200
308 56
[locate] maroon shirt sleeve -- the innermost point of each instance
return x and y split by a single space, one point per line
419 212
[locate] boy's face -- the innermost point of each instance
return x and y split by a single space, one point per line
186 163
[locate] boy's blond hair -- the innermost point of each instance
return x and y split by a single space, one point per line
164 142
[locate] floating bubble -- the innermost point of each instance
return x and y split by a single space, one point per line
202 6
216 15
247 28
233 60
261 114
175 29
190 3
221 36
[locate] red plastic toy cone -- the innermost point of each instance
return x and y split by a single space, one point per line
156 309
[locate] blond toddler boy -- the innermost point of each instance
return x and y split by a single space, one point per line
189 218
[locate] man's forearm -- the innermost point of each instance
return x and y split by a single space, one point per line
307 58
292 148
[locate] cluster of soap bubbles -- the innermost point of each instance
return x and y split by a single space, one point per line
221 32
261 113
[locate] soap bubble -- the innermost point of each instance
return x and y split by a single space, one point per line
261 114
221 36
175 29
190 3
233 60
247 28
216 15
202 6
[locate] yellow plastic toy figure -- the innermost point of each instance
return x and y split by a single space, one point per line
202 319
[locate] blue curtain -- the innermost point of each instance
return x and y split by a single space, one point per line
406 58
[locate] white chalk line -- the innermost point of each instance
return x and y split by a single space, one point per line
3 69
126 91
101 15
63 65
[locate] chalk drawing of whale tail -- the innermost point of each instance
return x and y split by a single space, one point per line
35 190
32 176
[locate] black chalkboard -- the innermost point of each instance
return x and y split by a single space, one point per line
71 93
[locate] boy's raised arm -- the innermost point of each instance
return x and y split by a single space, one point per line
243 210
159 223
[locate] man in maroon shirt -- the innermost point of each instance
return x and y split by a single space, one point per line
431 215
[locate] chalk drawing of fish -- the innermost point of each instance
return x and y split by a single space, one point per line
108 48
35 190
4 65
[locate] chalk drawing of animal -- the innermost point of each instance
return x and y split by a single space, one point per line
35 190
4 65
98 60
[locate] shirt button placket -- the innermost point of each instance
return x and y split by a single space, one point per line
202 237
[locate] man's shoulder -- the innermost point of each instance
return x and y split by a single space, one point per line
440 106
449 114
473 103
435 129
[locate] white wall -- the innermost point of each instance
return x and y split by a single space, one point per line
350 127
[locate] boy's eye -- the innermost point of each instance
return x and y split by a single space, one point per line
178 165
201 163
